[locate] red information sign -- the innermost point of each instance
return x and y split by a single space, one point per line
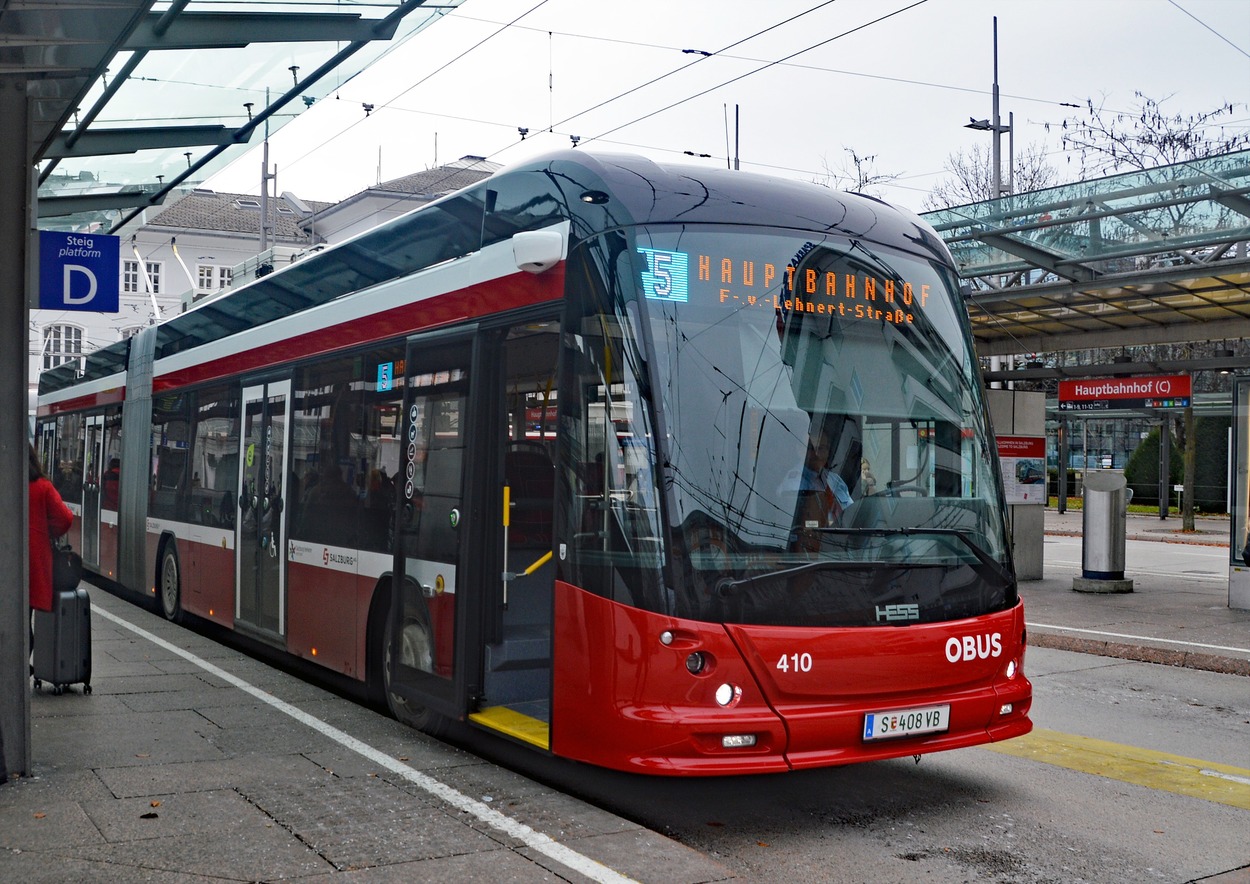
1095 394
1021 446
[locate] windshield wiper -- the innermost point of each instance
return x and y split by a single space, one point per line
726 587
986 564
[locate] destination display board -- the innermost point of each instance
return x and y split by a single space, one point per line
1103 394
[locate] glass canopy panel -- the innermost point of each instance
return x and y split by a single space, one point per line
291 56
1123 222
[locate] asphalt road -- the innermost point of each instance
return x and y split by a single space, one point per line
1135 772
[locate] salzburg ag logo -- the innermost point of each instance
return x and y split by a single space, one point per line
973 647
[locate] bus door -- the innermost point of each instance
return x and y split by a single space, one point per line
518 591
260 539
93 459
436 527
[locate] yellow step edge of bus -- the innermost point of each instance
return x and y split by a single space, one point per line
514 724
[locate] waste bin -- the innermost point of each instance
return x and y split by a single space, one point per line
1105 506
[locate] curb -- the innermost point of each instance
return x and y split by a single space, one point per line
1137 535
1141 654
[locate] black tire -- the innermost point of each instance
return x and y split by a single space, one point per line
169 584
417 648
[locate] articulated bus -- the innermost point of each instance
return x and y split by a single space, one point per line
671 470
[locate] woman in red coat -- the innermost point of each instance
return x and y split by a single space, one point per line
49 518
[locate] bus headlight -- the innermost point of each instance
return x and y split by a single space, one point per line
728 695
696 662
1011 669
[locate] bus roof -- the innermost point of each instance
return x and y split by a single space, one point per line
595 192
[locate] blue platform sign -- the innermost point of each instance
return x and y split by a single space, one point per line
79 271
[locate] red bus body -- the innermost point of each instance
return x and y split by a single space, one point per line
627 612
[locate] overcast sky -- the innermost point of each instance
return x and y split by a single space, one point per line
892 79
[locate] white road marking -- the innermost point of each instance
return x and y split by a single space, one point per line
1129 572
531 838
1140 638
1245 781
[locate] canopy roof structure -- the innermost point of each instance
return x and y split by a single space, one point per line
1150 257
129 99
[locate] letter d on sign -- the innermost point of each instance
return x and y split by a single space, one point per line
79 271
67 291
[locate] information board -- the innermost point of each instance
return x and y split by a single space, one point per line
1023 460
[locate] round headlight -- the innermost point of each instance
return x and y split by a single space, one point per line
695 662
728 694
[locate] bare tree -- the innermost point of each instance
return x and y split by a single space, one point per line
857 174
1147 136
970 176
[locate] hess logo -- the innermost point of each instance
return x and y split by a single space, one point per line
973 647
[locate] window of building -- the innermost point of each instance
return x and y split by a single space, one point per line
212 277
132 279
62 343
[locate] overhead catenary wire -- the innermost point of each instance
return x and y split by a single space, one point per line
516 23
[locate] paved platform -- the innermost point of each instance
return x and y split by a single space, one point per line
1163 620
193 762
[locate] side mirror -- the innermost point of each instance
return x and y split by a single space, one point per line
537 250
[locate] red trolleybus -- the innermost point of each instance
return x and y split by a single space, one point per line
670 470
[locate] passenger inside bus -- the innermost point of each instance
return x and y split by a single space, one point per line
109 484
823 492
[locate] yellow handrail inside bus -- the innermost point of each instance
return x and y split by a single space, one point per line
546 557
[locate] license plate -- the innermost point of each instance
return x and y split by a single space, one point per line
906 722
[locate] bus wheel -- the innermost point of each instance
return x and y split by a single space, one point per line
170 586
416 650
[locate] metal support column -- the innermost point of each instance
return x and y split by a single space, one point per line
1063 464
1165 466
16 184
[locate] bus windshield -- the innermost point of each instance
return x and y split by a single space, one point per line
814 410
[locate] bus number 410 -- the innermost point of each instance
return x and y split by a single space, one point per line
797 662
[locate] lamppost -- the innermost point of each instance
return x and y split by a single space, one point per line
996 126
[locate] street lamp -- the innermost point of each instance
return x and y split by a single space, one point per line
996 126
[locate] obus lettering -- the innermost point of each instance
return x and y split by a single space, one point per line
974 647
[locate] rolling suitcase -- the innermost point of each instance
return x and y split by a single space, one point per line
63 642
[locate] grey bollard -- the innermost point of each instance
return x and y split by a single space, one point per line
1103 529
